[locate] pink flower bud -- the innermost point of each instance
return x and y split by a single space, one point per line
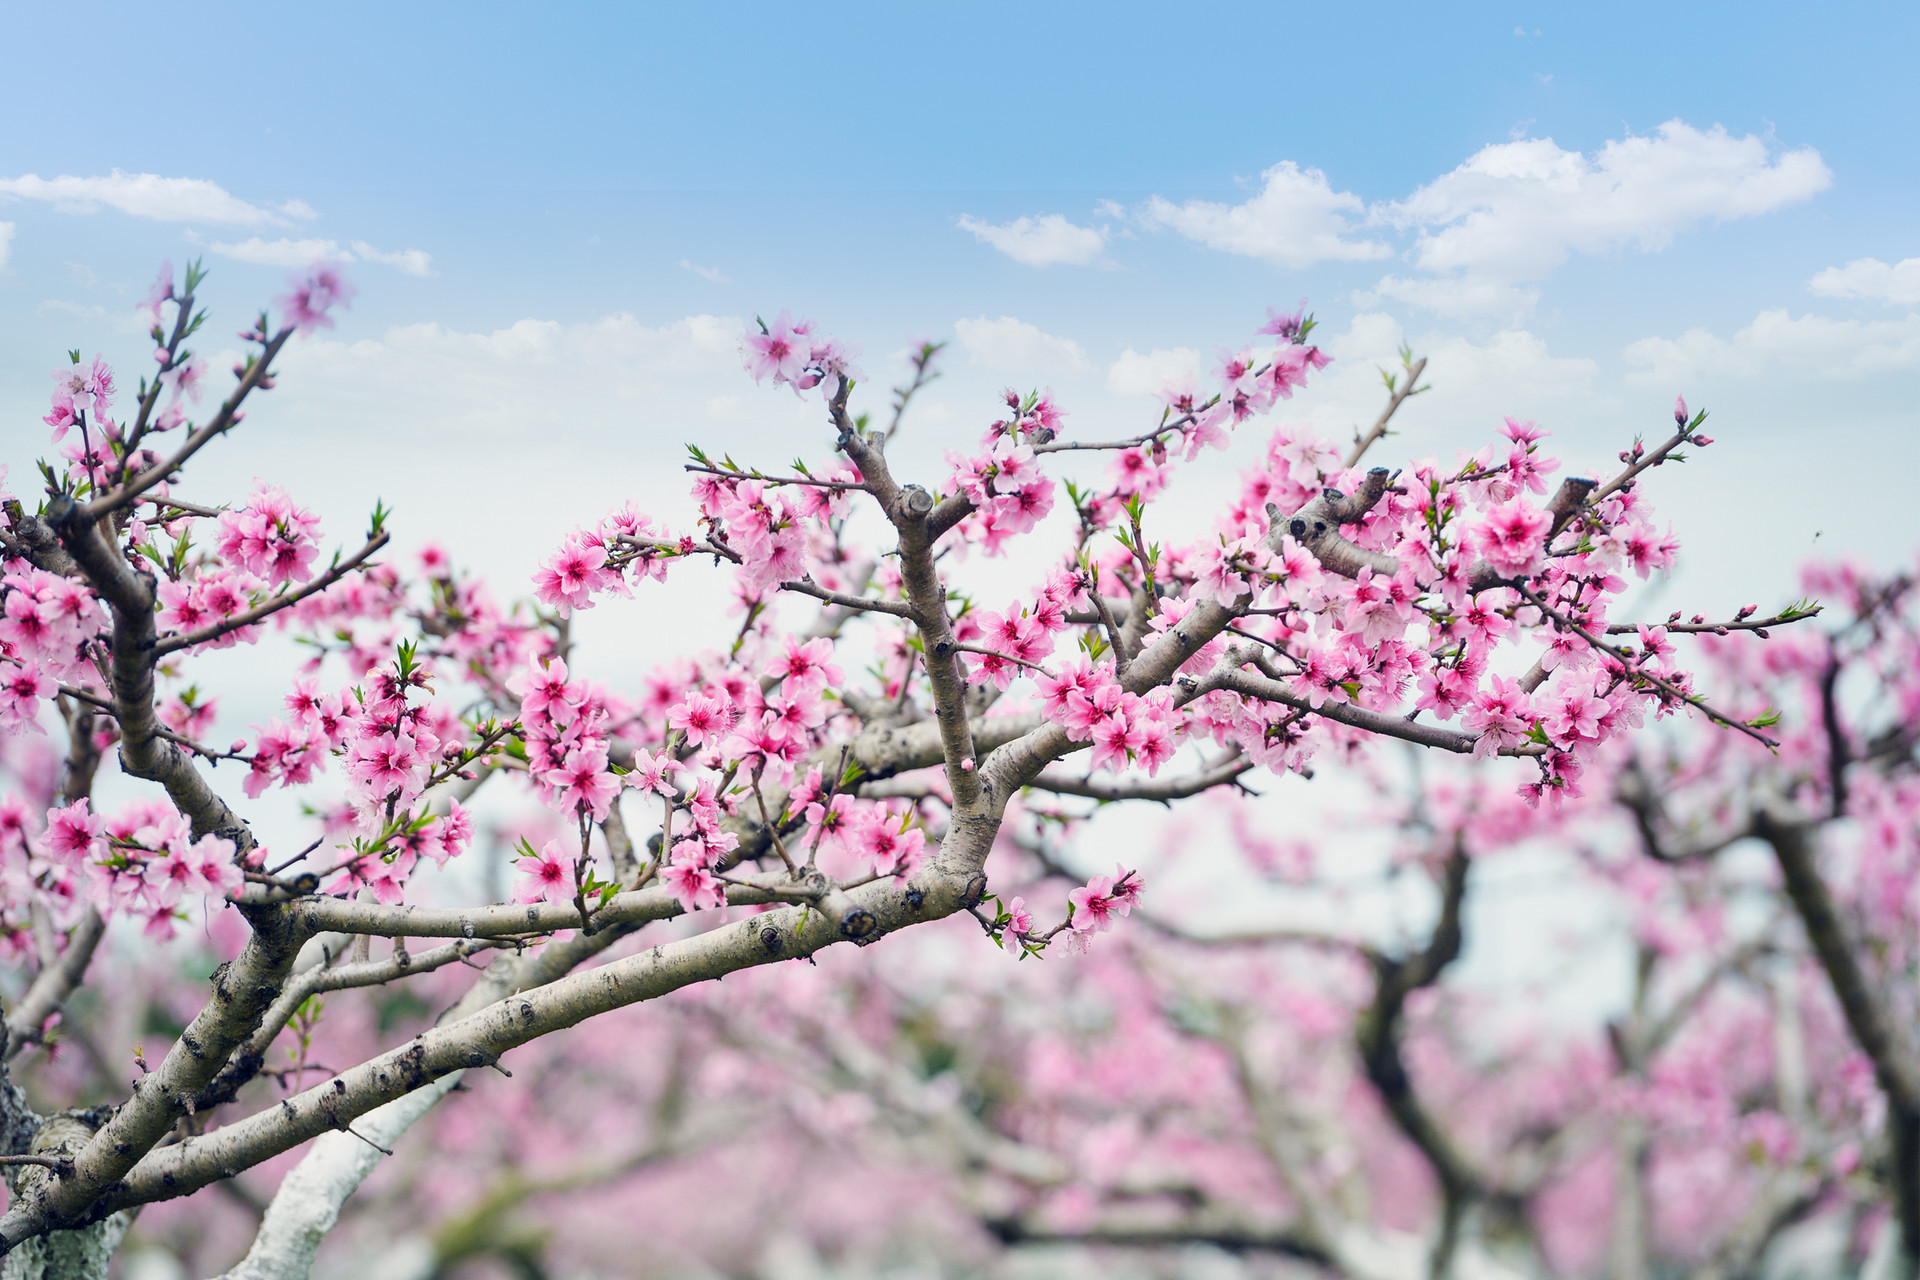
1680 410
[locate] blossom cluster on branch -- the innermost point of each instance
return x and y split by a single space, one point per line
877 749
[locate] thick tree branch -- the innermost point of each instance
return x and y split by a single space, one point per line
309 1200
144 753
1868 1013
1377 1036
31 538
53 984
949 882
1162 790
242 992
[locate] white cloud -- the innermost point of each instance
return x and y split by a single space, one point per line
298 253
148 195
1453 296
6 241
1475 384
1506 217
1516 210
415 262
1041 242
1135 374
1296 220
1897 282
1014 346
1818 345
441 422
114 320
705 273
520 354
280 253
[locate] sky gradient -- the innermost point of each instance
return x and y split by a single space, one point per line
561 217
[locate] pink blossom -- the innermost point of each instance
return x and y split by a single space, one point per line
583 781
1572 713
701 718
693 885
544 877
1511 537
654 773
23 687
160 292
570 577
778 351
72 831
1115 739
886 841
807 665
313 293
1501 715
1097 902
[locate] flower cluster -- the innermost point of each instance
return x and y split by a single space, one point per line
1022 638
1095 904
567 725
77 388
790 352
1124 727
1003 480
697 842
392 749
46 625
271 537
142 862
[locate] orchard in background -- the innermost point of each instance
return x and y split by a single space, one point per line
878 751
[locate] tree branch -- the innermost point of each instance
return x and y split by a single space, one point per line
949 882
1400 393
1161 790
1868 1014
173 644
53 984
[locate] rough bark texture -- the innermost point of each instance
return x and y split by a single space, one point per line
308 1203
310 1198
80 1254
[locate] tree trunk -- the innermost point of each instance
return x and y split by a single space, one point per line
63 1255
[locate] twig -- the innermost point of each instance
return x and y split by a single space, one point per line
273 606
1400 395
